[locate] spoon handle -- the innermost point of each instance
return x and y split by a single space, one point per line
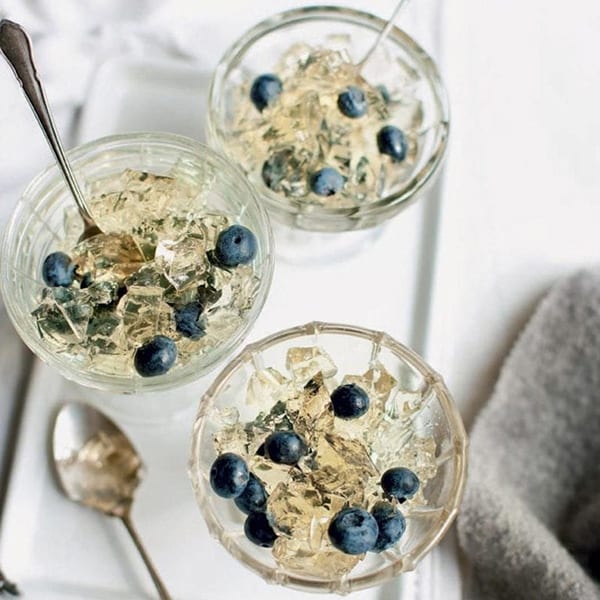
160 587
382 35
16 47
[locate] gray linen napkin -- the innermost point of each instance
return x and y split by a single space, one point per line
530 522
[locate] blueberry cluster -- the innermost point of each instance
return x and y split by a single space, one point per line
231 478
355 531
234 246
352 103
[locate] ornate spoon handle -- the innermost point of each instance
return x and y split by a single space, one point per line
16 47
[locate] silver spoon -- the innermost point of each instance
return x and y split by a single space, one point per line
16 47
382 34
98 467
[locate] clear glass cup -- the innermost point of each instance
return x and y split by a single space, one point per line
353 350
45 216
258 50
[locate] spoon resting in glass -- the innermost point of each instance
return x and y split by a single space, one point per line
15 45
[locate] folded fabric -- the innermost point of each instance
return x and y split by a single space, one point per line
530 522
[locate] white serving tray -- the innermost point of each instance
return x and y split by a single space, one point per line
134 95
58 550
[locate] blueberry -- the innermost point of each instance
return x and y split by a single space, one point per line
392 141
58 270
258 530
327 182
391 524
253 498
353 531
155 357
352 102
189 321
285 447
400 482
349 401
235 246
265 89
229 475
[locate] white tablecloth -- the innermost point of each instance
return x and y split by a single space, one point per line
522 188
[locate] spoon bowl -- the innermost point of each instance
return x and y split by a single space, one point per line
96 464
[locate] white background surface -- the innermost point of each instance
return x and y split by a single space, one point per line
522 193
521 202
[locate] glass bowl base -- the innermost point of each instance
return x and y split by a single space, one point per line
300 247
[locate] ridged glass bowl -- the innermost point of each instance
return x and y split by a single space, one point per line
419 413
257 52
45 216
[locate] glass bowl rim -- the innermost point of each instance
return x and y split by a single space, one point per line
451 412
50 177
401 197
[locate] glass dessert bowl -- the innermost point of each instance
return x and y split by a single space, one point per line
330 145
324 468
172 288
